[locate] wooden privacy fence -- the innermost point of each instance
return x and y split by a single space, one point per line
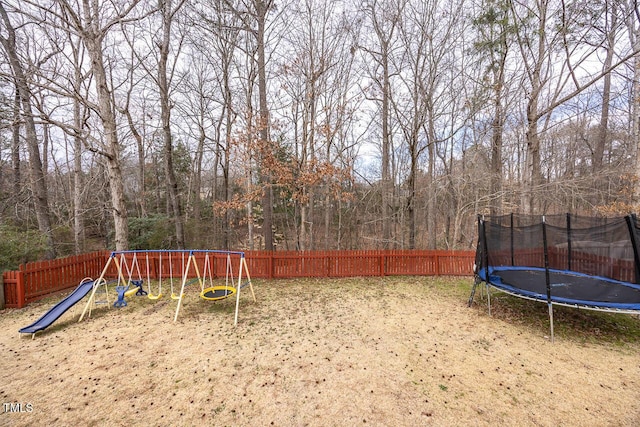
275 265
38 279
35 280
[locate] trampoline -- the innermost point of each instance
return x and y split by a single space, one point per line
582 262
568 288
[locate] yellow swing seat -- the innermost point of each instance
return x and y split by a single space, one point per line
131 292
216 293
154 297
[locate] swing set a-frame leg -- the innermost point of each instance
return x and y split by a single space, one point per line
243 266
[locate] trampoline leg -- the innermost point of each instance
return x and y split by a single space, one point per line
473 291
488 299
551 320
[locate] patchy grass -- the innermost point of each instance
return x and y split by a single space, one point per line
579 325
400 351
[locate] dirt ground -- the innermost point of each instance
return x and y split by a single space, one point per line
401 351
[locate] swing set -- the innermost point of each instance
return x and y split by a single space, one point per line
132 268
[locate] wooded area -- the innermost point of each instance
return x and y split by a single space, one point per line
308 124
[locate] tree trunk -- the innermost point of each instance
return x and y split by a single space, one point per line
533 158
634 37
432 232
197 176
173 194
45 152
141 199
327 204
230 117
267 205
387 185
411 199
15 146
533 202
496 133
112 146
603 127
78 182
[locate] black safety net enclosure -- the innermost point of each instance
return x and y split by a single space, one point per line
584 262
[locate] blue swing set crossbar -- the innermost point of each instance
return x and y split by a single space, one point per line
185 251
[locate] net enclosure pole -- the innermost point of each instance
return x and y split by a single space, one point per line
632 224
485 249
511 232
477 265
569 241
479 262
546 273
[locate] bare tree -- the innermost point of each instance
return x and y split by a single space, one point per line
632 22
261 8
79 116
609 34
429 34
136 129
92 23
36 174
168 13
215 109
384 17
341 102
317 47
551 81
199 110
495 34
253 17
15 144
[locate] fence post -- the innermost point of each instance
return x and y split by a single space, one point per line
2 302
270 265
20 292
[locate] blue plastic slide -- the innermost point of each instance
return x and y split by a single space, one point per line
59 309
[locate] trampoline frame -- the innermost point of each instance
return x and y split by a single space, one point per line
483 274
581 304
